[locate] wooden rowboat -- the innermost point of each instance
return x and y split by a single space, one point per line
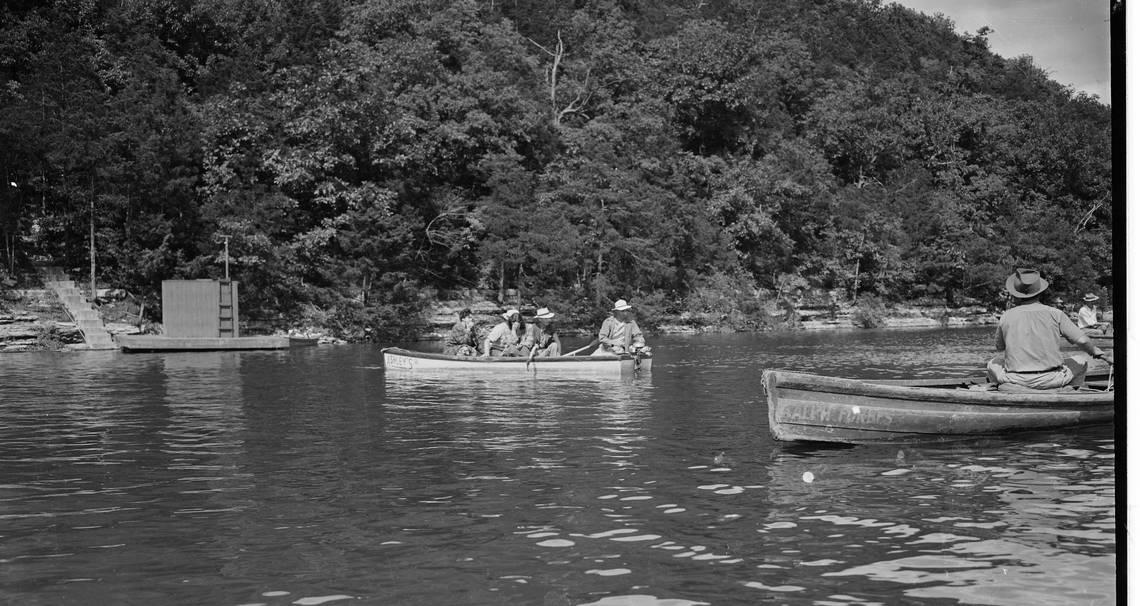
829 409
399 359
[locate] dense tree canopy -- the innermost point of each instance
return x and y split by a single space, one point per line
359 155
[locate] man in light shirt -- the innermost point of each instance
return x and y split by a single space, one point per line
1028 334
1087 318
620 333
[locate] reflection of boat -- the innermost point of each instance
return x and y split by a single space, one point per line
829 409
405 359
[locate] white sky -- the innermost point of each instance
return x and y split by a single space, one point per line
1069 39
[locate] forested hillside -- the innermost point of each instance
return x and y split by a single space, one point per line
365 155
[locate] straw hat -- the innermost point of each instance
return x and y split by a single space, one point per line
543 314
1025 283
621 305
1089 298
510 312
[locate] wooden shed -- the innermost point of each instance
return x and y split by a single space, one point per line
200 308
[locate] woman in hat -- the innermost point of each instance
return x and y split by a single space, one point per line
1087 319
1028 334
540 341
503 339
620 333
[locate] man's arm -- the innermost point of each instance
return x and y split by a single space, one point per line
1077 337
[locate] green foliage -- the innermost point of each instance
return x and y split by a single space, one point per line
359 153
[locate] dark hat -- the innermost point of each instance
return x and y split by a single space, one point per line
1025 283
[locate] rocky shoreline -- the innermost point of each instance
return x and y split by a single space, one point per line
35 320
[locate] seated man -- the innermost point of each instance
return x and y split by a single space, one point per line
540 341
1087 319
504 337
620 333
1028 334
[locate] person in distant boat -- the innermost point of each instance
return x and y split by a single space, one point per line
1028 334
461 341
620 333
504 338
1087 318
540 341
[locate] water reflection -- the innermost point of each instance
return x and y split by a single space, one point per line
313 476
984 524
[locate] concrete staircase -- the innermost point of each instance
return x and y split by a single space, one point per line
95 335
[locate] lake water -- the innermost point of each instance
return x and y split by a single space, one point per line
309 477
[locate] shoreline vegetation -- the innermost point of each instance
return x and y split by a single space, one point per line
357 166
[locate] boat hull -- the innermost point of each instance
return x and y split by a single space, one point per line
827 409
405 360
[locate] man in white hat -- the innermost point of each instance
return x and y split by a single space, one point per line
1027 333
503 340
620 333
1087 319
540 341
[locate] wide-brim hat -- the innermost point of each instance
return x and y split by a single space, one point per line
1089 298
1025 283
510 312
621 305
543 314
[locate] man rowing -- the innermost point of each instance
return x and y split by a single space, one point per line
620 333
1029 334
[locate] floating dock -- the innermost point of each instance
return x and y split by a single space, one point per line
137 343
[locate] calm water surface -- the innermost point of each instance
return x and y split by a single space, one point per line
310 477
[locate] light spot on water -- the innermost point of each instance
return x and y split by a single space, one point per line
643 600
731 490
895 472
556 543
782 588
275 594
539 535
675 510
607 533
640 537
809 477
712 486
322 600
642 498
855 410
612 572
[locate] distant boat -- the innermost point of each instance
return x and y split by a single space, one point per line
399 359
817 408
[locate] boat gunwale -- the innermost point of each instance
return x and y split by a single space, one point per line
399 351
784 379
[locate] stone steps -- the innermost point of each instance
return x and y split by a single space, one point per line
95 334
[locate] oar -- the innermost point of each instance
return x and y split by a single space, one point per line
581 349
